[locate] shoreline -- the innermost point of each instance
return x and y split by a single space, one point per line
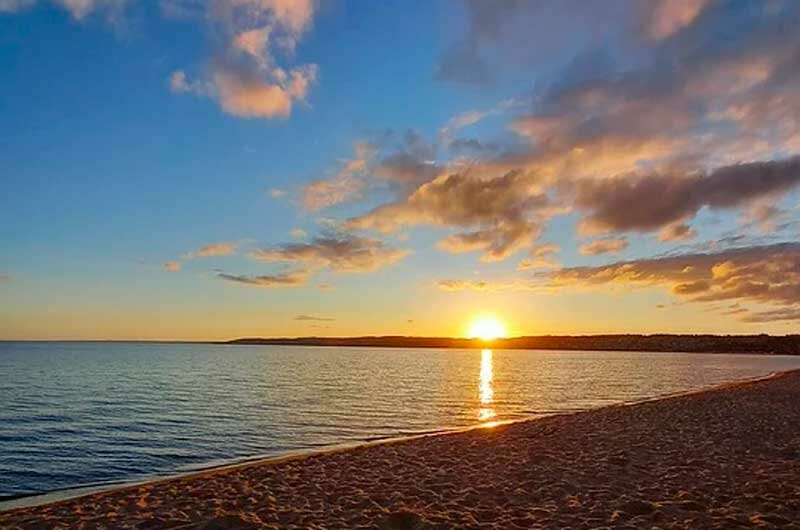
40 500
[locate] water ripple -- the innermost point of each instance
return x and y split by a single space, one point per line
75 414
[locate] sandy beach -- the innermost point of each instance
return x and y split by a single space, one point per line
724 458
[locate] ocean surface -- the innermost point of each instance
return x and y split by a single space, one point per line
78 414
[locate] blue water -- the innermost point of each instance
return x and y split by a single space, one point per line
74 414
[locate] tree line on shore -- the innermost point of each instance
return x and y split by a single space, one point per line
759 344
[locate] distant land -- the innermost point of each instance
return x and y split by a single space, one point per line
760 344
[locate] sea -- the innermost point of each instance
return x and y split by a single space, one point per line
97 414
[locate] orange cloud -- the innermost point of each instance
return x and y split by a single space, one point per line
253 42
246 95
541 258
172 266
677 232
604 246
760 274
214 249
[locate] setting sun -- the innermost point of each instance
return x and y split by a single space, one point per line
486 328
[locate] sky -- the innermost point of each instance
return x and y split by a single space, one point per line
207 170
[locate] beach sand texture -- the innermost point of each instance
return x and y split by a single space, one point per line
725 458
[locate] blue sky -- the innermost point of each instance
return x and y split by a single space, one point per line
192 170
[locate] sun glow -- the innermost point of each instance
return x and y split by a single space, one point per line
487 328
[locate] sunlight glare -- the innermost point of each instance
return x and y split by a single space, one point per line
487 328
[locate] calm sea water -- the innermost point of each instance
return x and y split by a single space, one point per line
74 414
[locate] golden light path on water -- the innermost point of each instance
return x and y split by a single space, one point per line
485 392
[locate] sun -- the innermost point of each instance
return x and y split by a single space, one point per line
486 328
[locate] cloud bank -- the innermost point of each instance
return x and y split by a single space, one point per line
763 275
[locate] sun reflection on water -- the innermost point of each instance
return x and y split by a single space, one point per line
485 391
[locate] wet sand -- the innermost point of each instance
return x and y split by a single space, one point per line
724 458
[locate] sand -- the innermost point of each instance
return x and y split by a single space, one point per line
724 458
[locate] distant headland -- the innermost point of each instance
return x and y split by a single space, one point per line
758 344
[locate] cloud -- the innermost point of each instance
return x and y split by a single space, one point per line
545 249
399 164
766 216
604 246
340 253
685 106
464 285
253 42
541 257
768 274
246 94
649 202
312 318
510 35
276 193
214 249
406 169
632 142
172 266
179 84
735 309
292 278
663 18
5 278
497 243
245 77
348 183
677 232
206 251
471 147
455 284
406 163
471 117
501 214
298 233
458 122
791 314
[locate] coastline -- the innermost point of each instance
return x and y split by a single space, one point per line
303 458
664 343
